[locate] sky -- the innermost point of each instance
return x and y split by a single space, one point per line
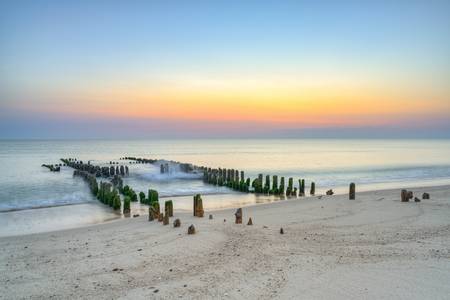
141 69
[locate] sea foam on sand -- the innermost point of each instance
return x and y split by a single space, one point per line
332 248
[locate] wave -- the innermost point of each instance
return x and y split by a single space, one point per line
78 197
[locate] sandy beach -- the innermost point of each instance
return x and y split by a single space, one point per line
374 247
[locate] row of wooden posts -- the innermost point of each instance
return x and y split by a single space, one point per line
96 170
235 180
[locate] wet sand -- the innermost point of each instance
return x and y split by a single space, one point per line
372 247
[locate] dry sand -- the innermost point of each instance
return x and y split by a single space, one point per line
374 247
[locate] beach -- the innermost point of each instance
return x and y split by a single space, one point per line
374 247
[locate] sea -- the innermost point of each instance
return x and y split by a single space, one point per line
33 199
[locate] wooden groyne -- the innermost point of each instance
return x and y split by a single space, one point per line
235 180
98 171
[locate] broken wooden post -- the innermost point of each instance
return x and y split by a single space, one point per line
126 205
176 223
191 229
238 215
330 192
301 185
198 206
425 196
313 189
250 222
151 214
154 210
352 192
406 195
168 208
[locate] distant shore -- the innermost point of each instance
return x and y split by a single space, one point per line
332 247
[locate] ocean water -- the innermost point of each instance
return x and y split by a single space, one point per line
330 163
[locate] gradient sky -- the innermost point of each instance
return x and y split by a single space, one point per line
74 69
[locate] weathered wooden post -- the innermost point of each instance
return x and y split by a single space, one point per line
267 185
166 219
152 196
176 223
275 185
126 205
238 215
142 197
289 189
352 192
301 183
155 210
281 189
191 229
313 188
111 171
116 200
198 206
403 196
168 208
122 170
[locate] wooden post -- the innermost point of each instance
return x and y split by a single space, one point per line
289 189
313 188
126 205
198 206
267 185
238 215
155 210
281 189
142 197
275 185
301 187
168 208
191 229
352 192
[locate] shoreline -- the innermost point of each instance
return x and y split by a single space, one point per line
372 247
137 208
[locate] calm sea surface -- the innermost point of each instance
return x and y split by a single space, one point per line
371 164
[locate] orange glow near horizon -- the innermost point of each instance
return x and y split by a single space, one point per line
259 101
